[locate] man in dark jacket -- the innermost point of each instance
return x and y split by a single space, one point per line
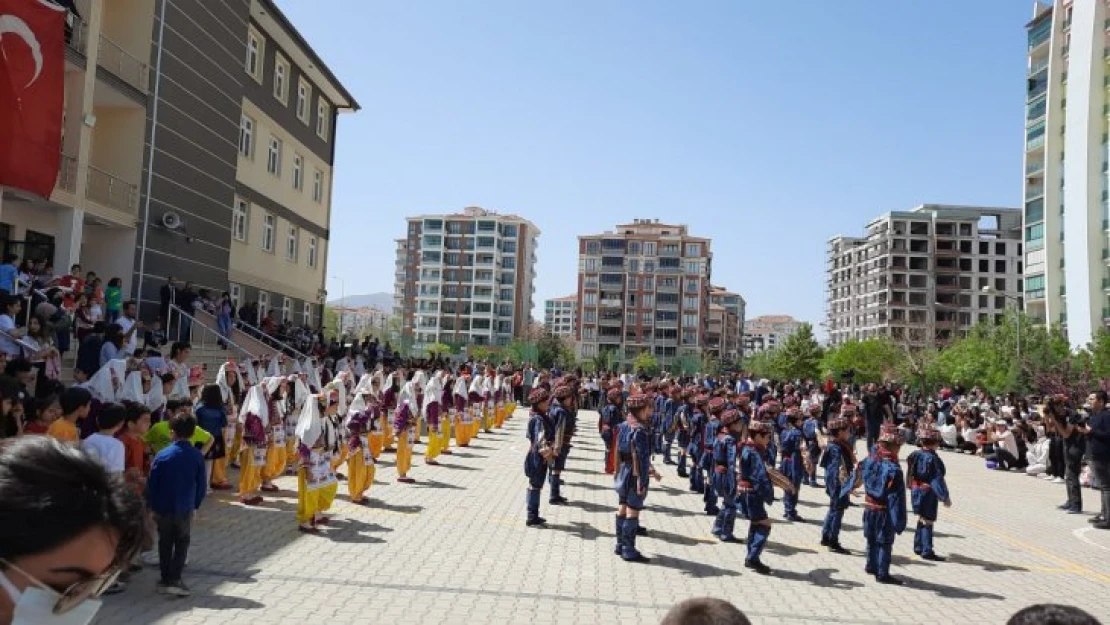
1098 441
88 353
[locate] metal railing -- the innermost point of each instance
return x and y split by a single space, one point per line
112 191
182 326
257 334
121 63
67 174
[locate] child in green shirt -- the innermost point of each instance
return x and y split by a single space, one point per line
113 299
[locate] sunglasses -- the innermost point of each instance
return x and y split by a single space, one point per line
77 592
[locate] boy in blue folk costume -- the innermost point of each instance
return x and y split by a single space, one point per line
683 414
709 437
757 489
698 419
925 477
811 428
631 484
541 451
884 514
840 479
723 477
790 464
610 418
670 407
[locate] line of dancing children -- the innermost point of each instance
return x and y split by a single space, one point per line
732 450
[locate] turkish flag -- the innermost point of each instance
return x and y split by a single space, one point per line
32 72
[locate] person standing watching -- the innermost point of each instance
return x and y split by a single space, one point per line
174 491
1098 440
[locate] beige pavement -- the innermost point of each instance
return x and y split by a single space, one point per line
453 548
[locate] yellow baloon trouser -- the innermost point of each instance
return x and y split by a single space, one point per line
460 432
291 457
404 454
434 445
275 462
250 477
388 428
359 475
236 443
377 441
312 502
219 470
445 433
340 457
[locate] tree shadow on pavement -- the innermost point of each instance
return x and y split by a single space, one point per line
986 565
381 505
948 592
822 578
697 570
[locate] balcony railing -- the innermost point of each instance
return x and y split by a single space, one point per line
67 174
112 191
121 63
77 31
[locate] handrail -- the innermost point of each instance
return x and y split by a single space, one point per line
122 63
194 322
260 336
24 344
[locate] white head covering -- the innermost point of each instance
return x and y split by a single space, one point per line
420 379
460 386
339 385
101 384
358 404
342 364
300 393
275 366
476 384
313 370
155 399
225 386
360 366
132 389
433 393
310 422
255 404
247 368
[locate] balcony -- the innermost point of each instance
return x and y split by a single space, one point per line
121 63
611 303
113 192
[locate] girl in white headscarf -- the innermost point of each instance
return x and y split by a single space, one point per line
296 393
253 418
132 390
106 384
249 371
274 369
404 424
460 413
433 394
376 425
360 461
312 370
317 444
419 381
275 388
446 403
474 404
232 390
390 389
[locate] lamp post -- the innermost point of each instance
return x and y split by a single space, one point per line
1017 316
342 303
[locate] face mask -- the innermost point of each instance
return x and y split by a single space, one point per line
35 606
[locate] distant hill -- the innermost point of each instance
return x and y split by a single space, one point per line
381 301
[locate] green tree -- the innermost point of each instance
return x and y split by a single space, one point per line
764 363
550 351
800 355
438 350
646 363
872 360
480 353
331 322
1100 354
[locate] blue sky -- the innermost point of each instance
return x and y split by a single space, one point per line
768 126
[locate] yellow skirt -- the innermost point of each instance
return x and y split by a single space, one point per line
376 443
312 502
219 470
340 458
275 462
250 477
445 433
359 476
434 445
236 442
404 454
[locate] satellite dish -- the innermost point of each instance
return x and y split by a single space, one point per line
171 220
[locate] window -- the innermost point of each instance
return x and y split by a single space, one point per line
317 186
268 233
649 248
255 47
281 79
304 94
693 266
298 172
689 302
322 113
591 264
236 292
306 312
689 320
311 251
291 244
693 249
246 136
263 303
239 219
286 308
273 157
590 299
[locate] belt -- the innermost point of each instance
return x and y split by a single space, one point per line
626 457
873 504
917 484
720 469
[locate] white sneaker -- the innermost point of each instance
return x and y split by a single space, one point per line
1057 480
178 590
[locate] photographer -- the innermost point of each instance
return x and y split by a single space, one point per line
1098 437
1068 427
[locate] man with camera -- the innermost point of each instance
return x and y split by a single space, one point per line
1097 430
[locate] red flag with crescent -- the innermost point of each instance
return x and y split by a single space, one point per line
32 71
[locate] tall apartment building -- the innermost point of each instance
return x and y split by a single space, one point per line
465 278
726 323
925 276
768 331
643 287
1067 223
200 147
560 315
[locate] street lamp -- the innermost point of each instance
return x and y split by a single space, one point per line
1017 316
342 302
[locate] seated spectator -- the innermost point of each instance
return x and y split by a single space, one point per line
75 404
40 413
1005 452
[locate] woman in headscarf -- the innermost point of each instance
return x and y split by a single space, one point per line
461 411
317 444
253 419
360 460
431 409
295 395
474 405
275 388
446 412
231 392
404 425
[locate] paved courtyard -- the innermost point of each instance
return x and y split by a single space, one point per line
453 548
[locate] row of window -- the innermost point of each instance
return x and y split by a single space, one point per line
274 159
307 310
240 222
256 46
644 248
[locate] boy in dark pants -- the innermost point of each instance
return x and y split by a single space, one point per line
174 490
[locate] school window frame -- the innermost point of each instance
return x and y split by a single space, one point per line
304 96
306 313
273 156
312 251
298 172
240 219
292 241
269 227
263 305
246 135
281 79
323 112
286 308
256 53
317 186
236 293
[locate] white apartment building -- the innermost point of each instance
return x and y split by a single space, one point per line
465 278
768 331
644 287
925 276
1067 224
560 315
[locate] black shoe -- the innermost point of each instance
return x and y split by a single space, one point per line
824 542
1063 506
793 518
869 571
683 473
641 558
729 539
1102 525
757 566
694 489
1096 519
890 579
641 531
534 522
666 461
1075 510
712 511
561 482
557 501
837 548
932 557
